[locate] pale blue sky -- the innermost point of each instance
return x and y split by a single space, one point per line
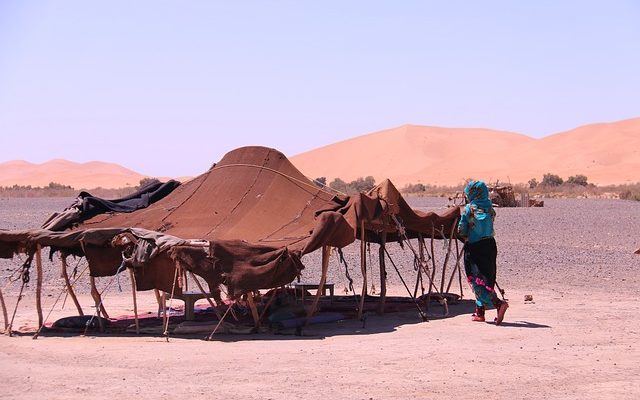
167 87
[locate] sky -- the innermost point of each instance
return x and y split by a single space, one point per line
166 88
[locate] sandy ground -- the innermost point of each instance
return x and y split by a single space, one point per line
579 339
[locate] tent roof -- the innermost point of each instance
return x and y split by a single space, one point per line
259 214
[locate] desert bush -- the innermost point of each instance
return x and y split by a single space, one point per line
580 180
148 181
359 185
550 179
413 188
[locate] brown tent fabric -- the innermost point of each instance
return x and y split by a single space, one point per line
257 215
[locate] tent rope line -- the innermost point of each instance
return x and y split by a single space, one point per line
100 304
422 313
246 193
188 197
24 274
173 288
315 187
64 290
342 260
297 217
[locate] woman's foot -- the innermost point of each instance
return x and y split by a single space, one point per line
478 316
502 309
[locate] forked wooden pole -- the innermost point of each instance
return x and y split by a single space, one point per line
4 312
363 267
421 256
447 256
97 301
67 282
254 310
159 300
383 273
39 284
135 300
456 267
163 300
433 265
326 253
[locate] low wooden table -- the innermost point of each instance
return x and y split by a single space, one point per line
190 299
314 286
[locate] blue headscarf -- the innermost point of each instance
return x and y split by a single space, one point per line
478 195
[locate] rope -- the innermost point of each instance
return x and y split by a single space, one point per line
173 288
284 175
9 330
64 290
346 271
422 314
95 314
219 322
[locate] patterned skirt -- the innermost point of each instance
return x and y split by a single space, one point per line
480 267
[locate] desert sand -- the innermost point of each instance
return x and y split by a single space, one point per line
578 339
607 153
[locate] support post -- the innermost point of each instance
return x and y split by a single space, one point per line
97 301
159 300
39 284
456 267
163 300
447 256
135 300
363 267
326 253
383 273
65 275
433 265
4 313
254 310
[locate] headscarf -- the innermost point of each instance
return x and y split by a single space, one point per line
478 195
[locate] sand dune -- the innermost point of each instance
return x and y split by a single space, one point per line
607 153
78 175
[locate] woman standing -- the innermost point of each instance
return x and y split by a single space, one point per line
480 251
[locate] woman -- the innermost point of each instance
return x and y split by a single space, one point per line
480 251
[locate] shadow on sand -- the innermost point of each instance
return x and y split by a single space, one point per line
370 324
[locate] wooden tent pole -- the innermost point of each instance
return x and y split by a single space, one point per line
135 300
456 267
383 273
446 257
254 310
39 283
4 312
420 259
163 299
363 267
158 299
97 301
326 253
65 275
433 265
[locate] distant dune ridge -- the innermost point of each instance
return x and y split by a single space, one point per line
87 175
607 153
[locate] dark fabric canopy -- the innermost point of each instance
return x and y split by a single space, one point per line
87 206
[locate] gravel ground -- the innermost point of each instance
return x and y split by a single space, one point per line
574 245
